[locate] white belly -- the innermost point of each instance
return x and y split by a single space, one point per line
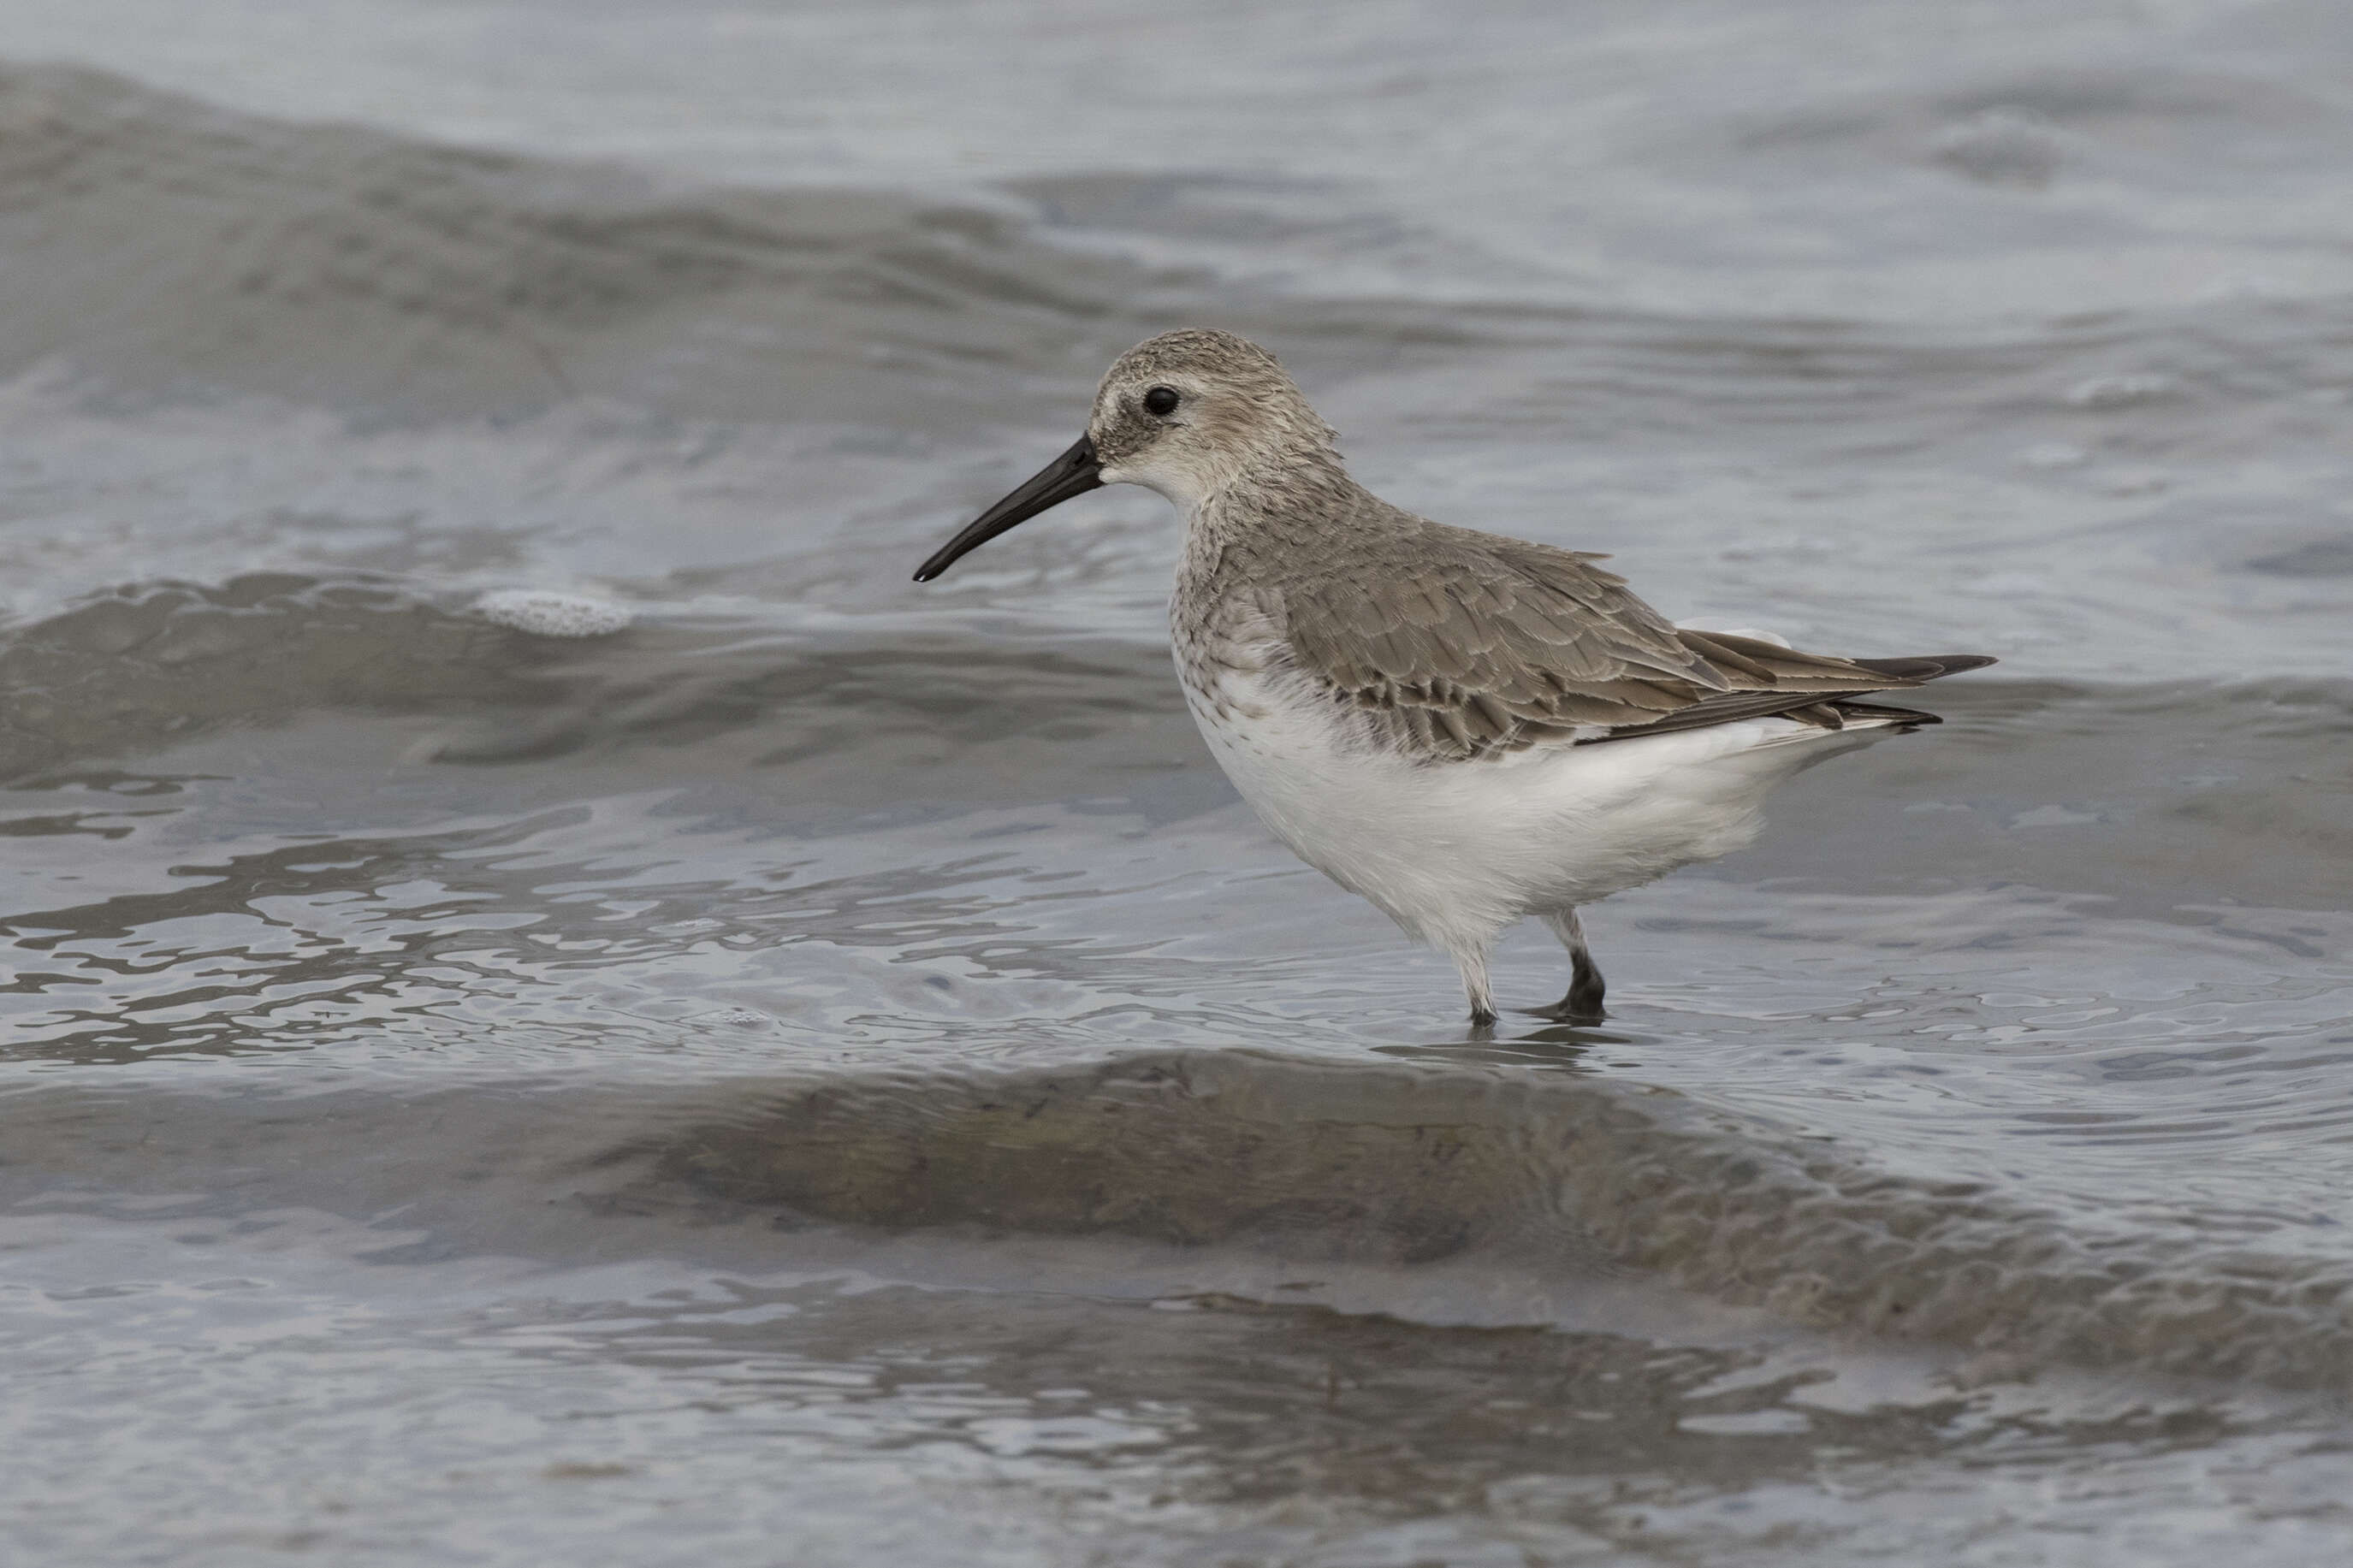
1459 850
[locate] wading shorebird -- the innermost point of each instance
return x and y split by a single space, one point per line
1463 727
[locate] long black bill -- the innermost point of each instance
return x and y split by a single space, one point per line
1074 473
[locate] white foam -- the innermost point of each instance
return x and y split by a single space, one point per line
543 613
2121 391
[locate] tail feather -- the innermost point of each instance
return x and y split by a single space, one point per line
1926 666
1902 719
1824 709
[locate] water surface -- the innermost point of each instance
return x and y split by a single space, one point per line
831 1074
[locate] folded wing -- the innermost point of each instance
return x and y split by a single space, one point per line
1455 645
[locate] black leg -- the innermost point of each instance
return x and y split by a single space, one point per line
1583 1002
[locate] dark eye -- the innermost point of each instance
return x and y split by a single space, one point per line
1160 401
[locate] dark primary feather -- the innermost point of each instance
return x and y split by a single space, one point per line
1458 645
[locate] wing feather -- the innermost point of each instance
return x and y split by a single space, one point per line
1460 645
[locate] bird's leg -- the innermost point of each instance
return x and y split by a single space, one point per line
1583 1002
1471 963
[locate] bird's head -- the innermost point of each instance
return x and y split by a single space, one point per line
1184 414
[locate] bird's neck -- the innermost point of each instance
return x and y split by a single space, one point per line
1277 493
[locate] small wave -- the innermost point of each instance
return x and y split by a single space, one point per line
153 241
151 665
157 246
1556 1174
154 664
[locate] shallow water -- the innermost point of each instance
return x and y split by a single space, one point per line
831 1074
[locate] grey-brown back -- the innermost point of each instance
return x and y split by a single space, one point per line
1450 644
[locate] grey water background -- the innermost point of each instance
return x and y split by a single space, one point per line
831 1075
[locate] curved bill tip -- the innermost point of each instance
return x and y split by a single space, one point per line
1074 473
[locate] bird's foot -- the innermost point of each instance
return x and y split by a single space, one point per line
1582 1005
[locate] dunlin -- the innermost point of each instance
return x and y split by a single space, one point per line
1463 727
